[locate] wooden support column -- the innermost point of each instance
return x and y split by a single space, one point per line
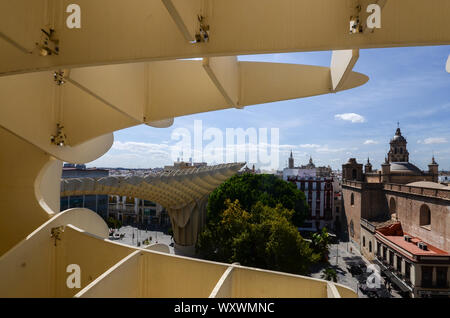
342 63
224 73
185 15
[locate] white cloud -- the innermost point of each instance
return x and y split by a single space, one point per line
326 149
135 155
354 118
140 147
131 160
309 146
370 142
433 140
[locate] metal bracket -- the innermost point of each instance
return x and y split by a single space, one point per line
203 35
355 21
48 44
56 233
59 77
60 139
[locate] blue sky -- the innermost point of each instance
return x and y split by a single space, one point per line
407 85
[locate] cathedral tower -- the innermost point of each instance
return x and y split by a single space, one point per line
368 167
433 170
398 151
291 161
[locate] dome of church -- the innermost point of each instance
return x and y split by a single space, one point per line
405 168
398 136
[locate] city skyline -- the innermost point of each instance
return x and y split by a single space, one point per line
136 166
407 85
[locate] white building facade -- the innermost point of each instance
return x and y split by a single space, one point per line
322 195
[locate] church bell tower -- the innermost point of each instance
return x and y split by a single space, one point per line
291 161
398 151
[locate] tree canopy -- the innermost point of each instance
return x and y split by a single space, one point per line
113 223
263 238
250 189
320 243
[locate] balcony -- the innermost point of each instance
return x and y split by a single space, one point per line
397 278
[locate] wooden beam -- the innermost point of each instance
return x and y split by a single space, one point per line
144 30
342 63
165 123
184 14
224 73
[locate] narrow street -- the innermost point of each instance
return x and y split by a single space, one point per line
351 270
132 236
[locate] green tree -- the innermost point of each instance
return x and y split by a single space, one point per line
264 237
113 223
320 243
329 274
216 241
250 189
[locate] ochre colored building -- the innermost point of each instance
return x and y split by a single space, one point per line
401 196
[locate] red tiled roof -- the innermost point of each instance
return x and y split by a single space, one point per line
392 230
412 247
394 234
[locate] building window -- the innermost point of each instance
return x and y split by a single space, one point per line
76 202
90 202
425 216
352 199
441 277
370 246
64 205
352 229
102 204
407 271
364 241
149 203
354 174
113 199
399 263
391 258
427 276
